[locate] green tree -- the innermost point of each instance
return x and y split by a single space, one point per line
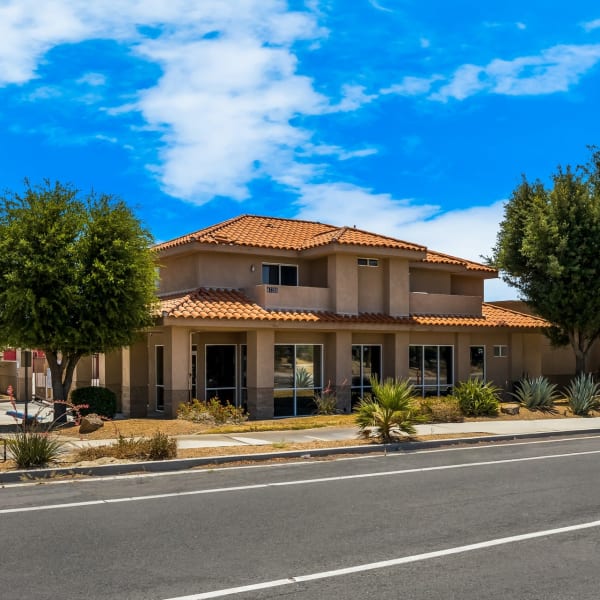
547 248
76 276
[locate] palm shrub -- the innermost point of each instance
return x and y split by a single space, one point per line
477 398
389 407
536 394
583 394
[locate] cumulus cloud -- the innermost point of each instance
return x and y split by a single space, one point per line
362 207
229 87
554 70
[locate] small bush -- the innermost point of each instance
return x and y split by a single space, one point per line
476 398
443 409
32 449
211 412
583 394
94 399
161 447
158 447
536 394
326 402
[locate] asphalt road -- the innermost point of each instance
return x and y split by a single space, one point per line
518 521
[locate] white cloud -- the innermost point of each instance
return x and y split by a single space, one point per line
591 25
362 207
229 88
412 86
467 81
226 106
353 97
553 70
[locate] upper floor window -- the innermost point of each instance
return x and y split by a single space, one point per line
367 262
276 274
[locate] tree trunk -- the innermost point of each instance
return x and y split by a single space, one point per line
62 378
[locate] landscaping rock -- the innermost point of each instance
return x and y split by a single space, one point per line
510 410
90 423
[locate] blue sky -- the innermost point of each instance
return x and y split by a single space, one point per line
413 119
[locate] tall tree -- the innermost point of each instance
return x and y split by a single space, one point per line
547 247
76 276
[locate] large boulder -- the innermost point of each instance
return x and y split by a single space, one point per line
90 423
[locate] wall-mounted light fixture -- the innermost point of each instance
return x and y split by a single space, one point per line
252 268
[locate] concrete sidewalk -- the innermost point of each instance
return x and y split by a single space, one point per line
332 434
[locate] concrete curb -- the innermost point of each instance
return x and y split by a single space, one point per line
178 464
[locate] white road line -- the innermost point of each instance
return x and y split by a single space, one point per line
238 488
387 563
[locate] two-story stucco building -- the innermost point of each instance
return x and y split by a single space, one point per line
265 312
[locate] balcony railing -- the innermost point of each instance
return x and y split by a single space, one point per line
290 297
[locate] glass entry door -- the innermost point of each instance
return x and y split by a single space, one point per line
221 373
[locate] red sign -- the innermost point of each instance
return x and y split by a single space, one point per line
10 354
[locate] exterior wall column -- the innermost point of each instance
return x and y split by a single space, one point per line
136 363
342 279
115 375
395 355
177 361
338 367
398 287
260 373
462 357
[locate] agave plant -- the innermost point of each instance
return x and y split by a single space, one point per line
390 407
536 394
583 394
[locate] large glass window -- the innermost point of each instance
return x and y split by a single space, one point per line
366 363
477 363
221 373
431 369
276 274
298 376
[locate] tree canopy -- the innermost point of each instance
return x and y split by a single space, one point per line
76 275
547 247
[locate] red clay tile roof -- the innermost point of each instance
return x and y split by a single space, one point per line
221 304
439 258
285 234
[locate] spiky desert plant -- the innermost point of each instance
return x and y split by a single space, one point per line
389 407
536 394
477 398
583 394
32 449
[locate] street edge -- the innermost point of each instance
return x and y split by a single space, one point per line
177 464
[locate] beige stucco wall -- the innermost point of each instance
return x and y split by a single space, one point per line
231 270
396 287
371 285
430 281
467 286
343 282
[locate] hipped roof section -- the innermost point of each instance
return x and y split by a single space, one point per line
276 233
233 305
